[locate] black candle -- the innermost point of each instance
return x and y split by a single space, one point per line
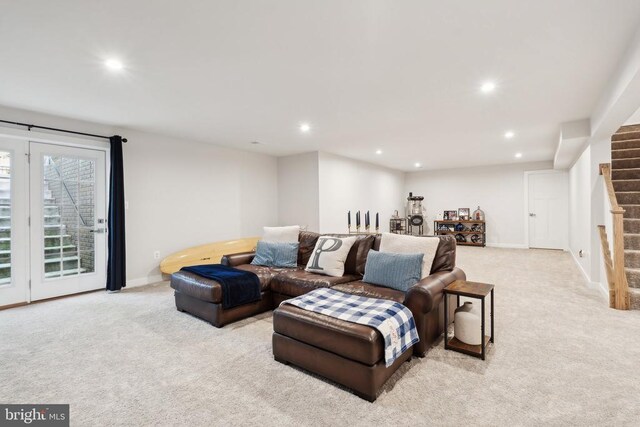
377 220
367 222
358 219
349 218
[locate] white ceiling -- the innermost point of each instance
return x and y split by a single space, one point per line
396 75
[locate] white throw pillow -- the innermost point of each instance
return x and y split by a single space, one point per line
402 244
288 234
329 255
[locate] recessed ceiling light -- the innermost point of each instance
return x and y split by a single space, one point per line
509 134
305 127
378 151
113 64
518 155
488 87
418 165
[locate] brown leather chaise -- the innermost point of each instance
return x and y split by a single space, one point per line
345 352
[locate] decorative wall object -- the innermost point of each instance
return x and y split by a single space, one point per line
466 326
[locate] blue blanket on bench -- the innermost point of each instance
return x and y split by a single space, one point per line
239 287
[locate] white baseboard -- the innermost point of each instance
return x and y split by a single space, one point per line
508 245
598 286
584 273
134 283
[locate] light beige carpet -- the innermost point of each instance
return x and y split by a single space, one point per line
561 357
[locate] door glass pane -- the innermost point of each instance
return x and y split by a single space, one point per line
69 203
5 218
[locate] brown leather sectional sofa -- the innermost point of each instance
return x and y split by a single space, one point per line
202 297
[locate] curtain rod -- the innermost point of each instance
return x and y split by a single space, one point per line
29 127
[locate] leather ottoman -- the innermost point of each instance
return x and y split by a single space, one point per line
202 297
347 353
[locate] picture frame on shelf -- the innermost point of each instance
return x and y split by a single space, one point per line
450 215
464 214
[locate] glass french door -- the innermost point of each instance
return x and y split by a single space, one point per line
14 284
52 220
68 220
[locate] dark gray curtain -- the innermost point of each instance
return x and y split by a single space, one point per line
117 264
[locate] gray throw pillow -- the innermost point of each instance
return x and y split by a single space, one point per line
270 254
391 270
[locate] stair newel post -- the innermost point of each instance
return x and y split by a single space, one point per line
620 297
620 277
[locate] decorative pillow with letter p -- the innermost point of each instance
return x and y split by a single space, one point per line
329 255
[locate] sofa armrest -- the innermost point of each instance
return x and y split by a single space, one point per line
425 300
423 295
233 260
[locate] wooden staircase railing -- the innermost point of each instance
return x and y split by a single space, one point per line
616 275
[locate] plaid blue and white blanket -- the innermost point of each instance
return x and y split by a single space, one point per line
393 320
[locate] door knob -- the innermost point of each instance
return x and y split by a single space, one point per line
531 214
97 230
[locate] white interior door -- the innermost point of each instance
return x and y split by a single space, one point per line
14 283
68 220
548 209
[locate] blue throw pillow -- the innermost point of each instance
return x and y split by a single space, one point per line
396 271
272 254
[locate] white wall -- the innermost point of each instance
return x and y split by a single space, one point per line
499 190
589 207
352 185
298 193
181 193
317 190
580 212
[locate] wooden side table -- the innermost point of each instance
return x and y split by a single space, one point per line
462 288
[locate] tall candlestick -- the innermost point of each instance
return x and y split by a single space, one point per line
377 221
349 221
358 219
367 221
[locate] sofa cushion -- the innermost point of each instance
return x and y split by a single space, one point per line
287 234
307 241
357 257
350 340
370 291
265 274
329 255
298 282
209 290
197 286
272 254
396 271
404 244
445 259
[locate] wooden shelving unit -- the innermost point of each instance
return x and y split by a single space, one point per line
439 229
